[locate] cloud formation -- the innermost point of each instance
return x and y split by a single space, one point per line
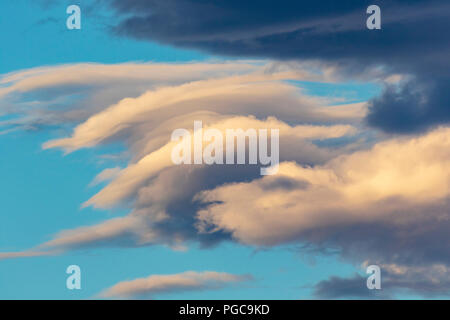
73 93
158 193
162 284
388 204
412 41
373 198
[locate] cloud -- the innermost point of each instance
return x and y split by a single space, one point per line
123 231
411 41
68 94
414 106
161 194
346 288
131 179
162 284
388 205
105 175
72 93
158 194
365 186
230 96
25 254
432 281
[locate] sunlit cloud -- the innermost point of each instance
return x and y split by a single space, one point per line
339 185
174 283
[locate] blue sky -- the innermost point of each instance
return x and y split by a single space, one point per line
42 191
38 36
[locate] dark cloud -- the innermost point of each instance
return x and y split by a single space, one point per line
412 40
410 237
346 288
393 282
182 209
413 255
416 106
283 183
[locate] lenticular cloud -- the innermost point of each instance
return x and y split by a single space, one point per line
340 185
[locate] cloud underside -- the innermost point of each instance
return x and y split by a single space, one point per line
163 284
385 202
431 282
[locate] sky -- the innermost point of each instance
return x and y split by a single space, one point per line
85 124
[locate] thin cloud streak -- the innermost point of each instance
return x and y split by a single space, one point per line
174 283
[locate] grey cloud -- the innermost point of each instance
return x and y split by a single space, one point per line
412 41
430 282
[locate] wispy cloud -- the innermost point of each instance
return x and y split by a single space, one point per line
223 95
162 284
